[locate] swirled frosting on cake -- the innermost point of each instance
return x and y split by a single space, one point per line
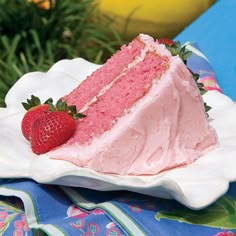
144 114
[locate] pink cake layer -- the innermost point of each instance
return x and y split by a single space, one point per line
161 126
123 93
110 70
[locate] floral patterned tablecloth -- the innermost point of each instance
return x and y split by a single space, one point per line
38 209
29 208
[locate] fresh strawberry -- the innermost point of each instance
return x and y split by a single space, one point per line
29 118
166 41
34 110
51 130
47 126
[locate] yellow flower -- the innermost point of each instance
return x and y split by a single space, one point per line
43 4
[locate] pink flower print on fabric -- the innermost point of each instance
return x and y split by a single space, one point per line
225 233
21 226
18 232
93 228
79 224
74 212
113 232
2 225
135 208
3 215
110 225
210 83
98 212
86 228
26 227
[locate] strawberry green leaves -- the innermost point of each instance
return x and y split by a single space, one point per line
47 126
176 49
34 101
63 106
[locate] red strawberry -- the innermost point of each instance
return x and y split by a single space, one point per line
51 130
48 126
34 110
166 41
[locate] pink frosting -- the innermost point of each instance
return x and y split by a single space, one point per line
167 128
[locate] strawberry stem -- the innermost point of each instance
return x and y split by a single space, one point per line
34 101
61 105
177 49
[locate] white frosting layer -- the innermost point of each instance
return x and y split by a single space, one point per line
165 129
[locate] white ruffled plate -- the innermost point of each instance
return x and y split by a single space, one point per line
196 185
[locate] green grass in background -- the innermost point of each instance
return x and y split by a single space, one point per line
33 39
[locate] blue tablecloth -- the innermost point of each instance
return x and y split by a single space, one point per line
75 211
29 208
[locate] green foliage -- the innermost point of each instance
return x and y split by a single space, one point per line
33 38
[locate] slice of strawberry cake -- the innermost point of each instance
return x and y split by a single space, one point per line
143 114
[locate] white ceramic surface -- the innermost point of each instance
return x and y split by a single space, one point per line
196 185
